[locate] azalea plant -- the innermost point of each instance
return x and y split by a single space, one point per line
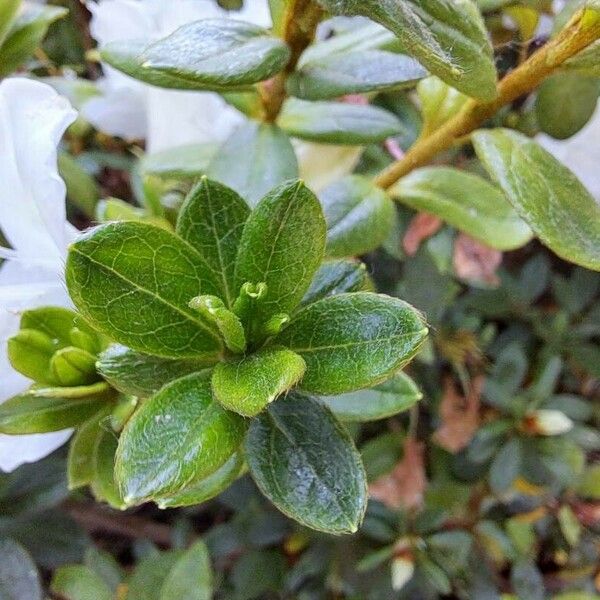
329 264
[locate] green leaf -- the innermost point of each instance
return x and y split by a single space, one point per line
211 54
384 400
139 374
290 450
249 384
55 322
354 73
78 582
589 486
467 202
134 281
282 246
358 214
182 162
150 575
19 579
506 466
177 436
587 61
80 463
103 482
30 352
26 34
72 366
191 577
28 414
212 219
8 12
527 582
105 565
353 341
337 122
439 103
545 193
82 189
448 38
256 158
569 525
336 277
207 488
565 103
227 322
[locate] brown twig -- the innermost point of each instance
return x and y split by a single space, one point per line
98 520
575 37
300 21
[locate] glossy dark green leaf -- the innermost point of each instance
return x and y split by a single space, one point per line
80 463
354 73
554 203
353 341
207 488
290 450
397 394
256 158
140 374
103 482
191 577
19 579
467 202
28 414
78 582
506 466
211 54
249 384
212 219
336 277
358 214
337 122
26 34
448 38
282 246
565 103
134 281
179 435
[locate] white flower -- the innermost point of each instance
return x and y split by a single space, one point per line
33 118
580 153
403 569
171 118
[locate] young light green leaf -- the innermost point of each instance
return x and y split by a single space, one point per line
30 352
358 214
467 202
554 203
439 103
353 341
72 366
8 12
191 577
249 384
28 414
80 462
227 322
103 481
565 103
337 122
177 436
282 246
207 488
19 578
447 38
336 277
212 219
211 54
256 158
182 162
289 450
140 374
26 34
134 281
397 394
78 582
354 73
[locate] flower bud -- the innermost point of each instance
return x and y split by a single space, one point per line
547 422
403 568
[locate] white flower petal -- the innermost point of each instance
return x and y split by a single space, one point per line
33 118
16 450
